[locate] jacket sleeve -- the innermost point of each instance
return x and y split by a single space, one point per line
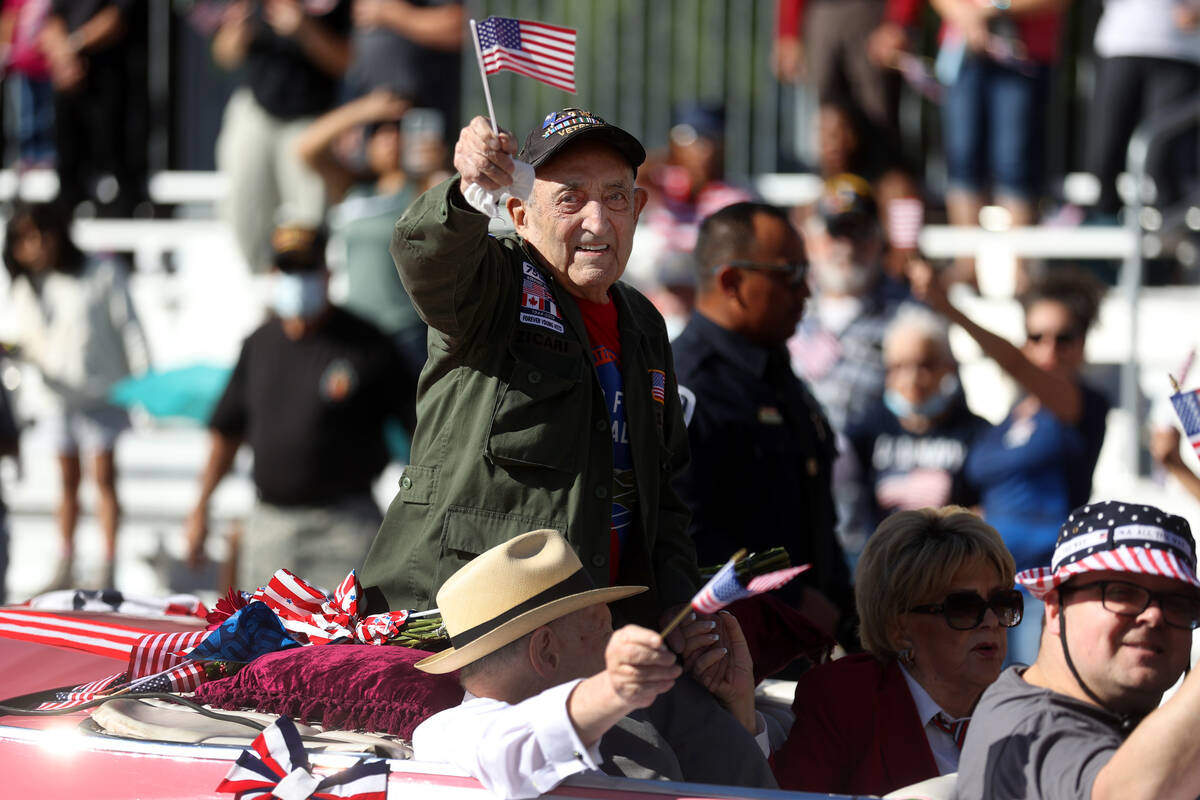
449 265
674 555
813 758
516 751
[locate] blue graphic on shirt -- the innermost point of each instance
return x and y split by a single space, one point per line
624 488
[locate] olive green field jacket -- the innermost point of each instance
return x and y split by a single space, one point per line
512 429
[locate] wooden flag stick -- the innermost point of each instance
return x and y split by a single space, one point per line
683 612
487 92
1174 384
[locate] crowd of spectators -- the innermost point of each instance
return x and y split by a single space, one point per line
805 362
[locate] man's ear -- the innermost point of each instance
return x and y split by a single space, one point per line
727 280
640 196
516 210
1053 612
543 652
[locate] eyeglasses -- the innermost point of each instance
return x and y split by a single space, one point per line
965 610
1060 339
796 273
1130 600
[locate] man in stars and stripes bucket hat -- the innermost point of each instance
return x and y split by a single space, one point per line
1084 719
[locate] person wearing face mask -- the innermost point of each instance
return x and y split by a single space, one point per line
1037 464
837 346
911 449
311 391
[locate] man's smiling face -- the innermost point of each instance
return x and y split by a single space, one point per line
581 216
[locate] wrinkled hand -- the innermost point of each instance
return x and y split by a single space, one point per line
484 158
885 44
638 666
926 285
284 16
1164 447
195 533
728 672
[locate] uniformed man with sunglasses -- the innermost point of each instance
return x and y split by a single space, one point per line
762 449
1084 721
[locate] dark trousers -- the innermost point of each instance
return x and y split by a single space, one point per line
1130 90
101 128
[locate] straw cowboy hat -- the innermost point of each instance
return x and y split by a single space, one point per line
510 590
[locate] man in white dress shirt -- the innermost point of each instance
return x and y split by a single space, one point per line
551 689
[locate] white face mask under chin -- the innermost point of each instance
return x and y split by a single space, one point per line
298 295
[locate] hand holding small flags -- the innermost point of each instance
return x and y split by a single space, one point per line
724 588
278 768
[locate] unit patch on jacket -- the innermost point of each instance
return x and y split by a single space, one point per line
537 304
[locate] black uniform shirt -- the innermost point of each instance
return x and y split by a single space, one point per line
313 410
762 455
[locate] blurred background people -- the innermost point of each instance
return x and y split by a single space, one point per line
995 60
311 391
935 595
822 43
1149 63
30 90
910 450
98 62
74 320
837 346
412 48
686 184
761 449
393 162
1036 465
292 55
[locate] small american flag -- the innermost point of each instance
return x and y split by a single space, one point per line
658 386
725 588
82 694
533 49
1187 408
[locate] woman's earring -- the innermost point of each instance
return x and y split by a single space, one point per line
906 656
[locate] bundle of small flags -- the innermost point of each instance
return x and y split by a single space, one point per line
725 587
287 612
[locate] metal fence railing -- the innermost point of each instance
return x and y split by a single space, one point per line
638 60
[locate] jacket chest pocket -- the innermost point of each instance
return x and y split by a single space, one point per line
540 418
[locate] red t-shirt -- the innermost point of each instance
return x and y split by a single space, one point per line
604 337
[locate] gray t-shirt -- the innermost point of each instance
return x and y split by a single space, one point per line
1026 742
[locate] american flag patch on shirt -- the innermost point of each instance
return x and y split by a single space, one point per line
658 385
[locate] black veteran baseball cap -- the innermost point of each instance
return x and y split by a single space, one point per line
559 128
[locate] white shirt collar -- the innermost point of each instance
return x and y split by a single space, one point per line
927 707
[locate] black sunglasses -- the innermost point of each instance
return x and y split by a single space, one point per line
1060 339
796 273
1130 600
965 610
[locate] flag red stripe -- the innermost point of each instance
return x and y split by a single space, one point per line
535 70
547 64
544 78
567 32
547 47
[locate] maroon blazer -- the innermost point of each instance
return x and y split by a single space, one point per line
856 731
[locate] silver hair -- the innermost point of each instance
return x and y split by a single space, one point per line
931 326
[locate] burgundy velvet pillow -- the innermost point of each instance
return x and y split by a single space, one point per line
345 686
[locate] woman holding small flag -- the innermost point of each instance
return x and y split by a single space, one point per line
935 593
